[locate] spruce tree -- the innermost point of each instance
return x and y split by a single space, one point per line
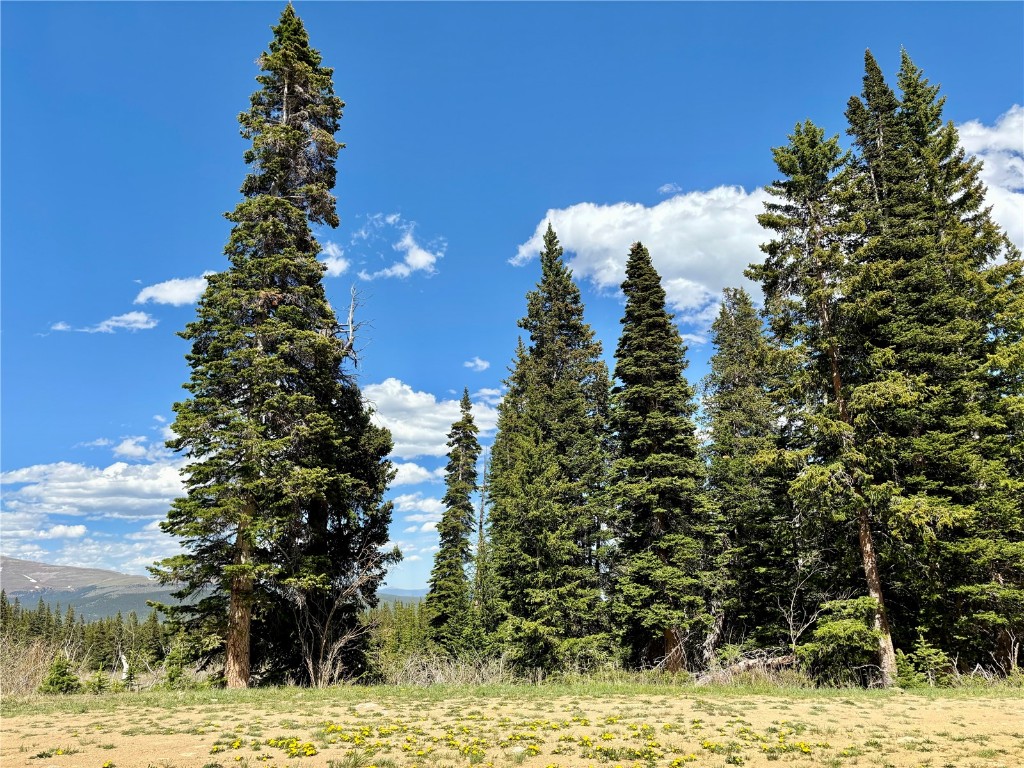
662 521
935 270
283 509
891 283
448 601
763 543
548 467
806 278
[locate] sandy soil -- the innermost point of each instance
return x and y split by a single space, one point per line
616 730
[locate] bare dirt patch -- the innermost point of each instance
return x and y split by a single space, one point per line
395 729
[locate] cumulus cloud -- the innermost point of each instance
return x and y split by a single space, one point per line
476 364
177 291
669 189
489 395
1001 150
131 447
62 532
417 256
700 242
130 321
418 421
424 508
30 534
409 473
334 259
120 491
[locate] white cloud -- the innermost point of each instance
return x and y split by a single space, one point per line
100 442
1001 150
334 259
418 421
413 558
177 292
120 491
30 534
700 242
131 447
476 364
62 532
409 473
130 321
426 507
489 395
417 256
694 339
669 189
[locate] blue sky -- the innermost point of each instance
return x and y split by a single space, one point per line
468 126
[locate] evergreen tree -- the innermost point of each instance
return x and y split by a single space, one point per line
283 510
448 599
758 569
662 521
806 279
548 468
890 283
934 271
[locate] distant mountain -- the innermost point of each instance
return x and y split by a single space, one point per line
96 594
389 592
93 592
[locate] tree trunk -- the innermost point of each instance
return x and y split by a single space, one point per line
236 667
886 654
673 650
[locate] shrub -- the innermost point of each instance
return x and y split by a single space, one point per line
844 644
60 678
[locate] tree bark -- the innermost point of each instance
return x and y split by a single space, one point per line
236 667
886 654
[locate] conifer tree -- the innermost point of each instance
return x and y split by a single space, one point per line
286 473
806 279
934 271
662 521
891 283
548 466
448 599
760 537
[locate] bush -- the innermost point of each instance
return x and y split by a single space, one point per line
844 644
60 678
926 665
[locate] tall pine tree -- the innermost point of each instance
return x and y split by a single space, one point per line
547 473
286 473
663 521
448 601
934 270
760 535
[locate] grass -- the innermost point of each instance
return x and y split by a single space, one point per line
628 723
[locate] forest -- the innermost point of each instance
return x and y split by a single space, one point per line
840 497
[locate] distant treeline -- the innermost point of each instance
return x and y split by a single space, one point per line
107 644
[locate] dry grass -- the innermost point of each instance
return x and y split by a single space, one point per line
604 724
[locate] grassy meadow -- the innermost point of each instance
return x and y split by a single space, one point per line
541 726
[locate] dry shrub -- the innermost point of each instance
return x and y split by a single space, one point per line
758 670
425 669
23 665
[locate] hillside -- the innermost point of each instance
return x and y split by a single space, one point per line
96 593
